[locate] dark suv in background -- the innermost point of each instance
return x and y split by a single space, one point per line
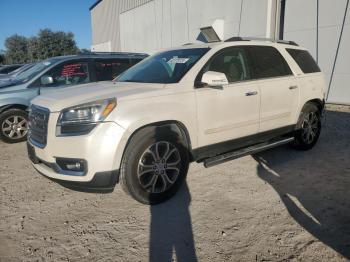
53 74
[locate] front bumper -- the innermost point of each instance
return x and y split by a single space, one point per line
101 149
102 181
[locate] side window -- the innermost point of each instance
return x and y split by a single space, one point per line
70 73
233 62
108 69
268 62
304 60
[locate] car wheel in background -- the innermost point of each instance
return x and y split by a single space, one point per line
13 126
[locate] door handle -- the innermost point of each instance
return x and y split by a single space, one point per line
293 87
251 93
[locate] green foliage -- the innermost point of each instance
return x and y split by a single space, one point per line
16 49
46 44
2 57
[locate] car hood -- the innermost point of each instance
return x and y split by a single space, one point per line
3 77
8 82
55 101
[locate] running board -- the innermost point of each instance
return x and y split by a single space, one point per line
212 161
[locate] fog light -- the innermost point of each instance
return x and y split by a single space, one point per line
72 165
75 167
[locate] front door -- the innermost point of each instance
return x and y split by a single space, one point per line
232 111
63 75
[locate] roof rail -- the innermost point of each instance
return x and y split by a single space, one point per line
113 53
238 38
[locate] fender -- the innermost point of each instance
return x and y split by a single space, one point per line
136 114
19 98
14 102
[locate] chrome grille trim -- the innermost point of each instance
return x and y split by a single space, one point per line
38 125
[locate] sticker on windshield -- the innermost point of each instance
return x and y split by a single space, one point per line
47 63
178 60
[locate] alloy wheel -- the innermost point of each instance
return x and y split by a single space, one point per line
15 127
159 167
310 128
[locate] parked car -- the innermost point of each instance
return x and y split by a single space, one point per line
6 69
208 103
50 75
13 74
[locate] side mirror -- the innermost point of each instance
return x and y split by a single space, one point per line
46 80
214 79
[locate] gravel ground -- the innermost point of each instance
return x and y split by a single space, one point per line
279 205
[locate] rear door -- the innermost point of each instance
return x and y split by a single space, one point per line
278 87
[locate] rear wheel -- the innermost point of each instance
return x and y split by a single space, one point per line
309 127
13 126
154 165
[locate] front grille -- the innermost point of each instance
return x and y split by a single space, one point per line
38 122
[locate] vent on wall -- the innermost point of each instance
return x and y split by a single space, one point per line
215 32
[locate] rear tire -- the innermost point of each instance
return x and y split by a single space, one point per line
13 126
154 165
308 127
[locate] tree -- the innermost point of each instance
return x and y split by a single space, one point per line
55 43
46 44
16 49
2 57
33 47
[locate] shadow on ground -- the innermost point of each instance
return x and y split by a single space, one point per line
171 229
316 192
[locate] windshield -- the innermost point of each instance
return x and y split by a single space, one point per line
165 67
35 70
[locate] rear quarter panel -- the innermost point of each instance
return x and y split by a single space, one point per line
312 86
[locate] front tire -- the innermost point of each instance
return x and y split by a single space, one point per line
308 127
13 126
154 165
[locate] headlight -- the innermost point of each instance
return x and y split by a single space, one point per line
81 119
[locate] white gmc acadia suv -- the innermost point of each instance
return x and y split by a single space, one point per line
208 103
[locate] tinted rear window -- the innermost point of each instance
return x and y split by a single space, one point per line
268 62
305 61
108 69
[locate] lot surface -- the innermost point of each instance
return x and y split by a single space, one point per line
279 205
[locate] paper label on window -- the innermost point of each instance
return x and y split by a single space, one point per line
178 60
47 63
72 70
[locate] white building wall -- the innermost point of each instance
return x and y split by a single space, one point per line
152 25
105 23
162 24
301 26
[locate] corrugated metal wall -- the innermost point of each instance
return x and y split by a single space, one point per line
317 26
162 24
105 21
130 4
150 25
